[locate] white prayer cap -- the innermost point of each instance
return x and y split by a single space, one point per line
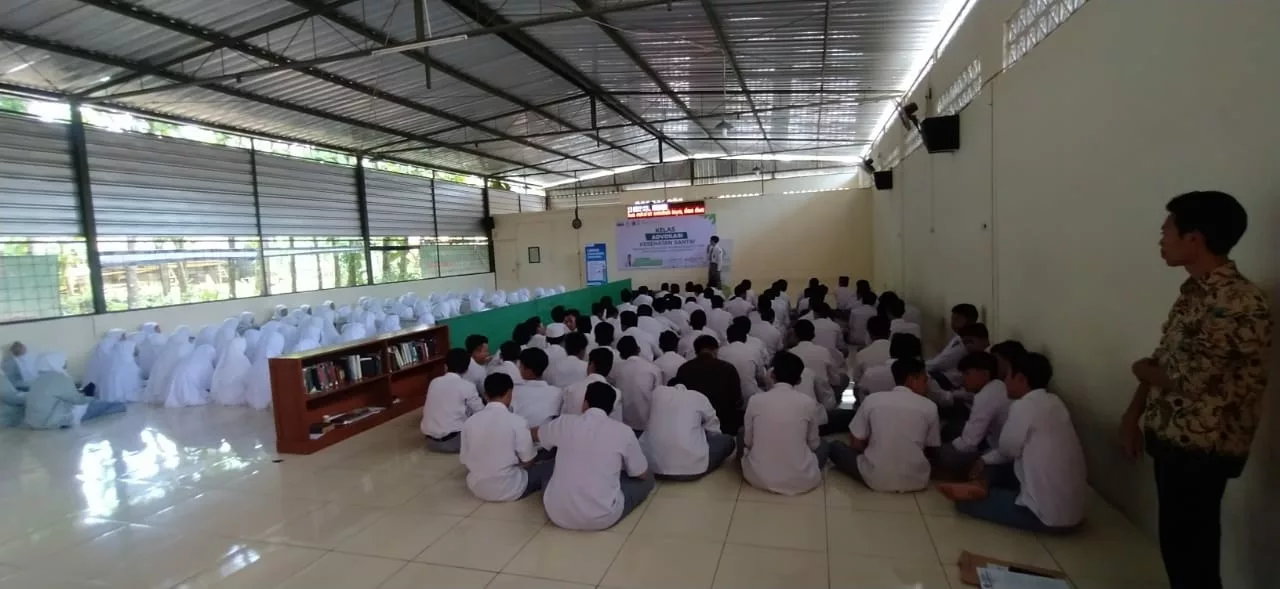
557 330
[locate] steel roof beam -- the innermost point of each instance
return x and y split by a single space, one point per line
481 13
512 113
718 27
262 30
822 73
625 46
105 59
383 38
153 18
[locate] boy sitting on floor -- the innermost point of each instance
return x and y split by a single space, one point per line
451 398
892 433
497 448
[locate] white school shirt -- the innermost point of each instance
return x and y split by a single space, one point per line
651 325
536 401
576 393
690 307
858 318
715 254
986 419
675 443
450 399
585 490
495 442
846 298
780 431
877 378
949 357
648 344
636 378
508 368
903 326
737 307
877 352
781 313
827 333
768 334
679 319
669 363
566 371
1046 454
818 359
720 320
624 307
475 374
555 353
761 350
746 360
898 425
685 347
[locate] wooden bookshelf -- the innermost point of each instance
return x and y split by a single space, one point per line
390 390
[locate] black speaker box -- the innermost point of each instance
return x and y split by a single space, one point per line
941 134
884 180
488 223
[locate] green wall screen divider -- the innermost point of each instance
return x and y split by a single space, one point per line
496 324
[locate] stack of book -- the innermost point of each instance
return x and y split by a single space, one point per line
409 353
334 421
340 372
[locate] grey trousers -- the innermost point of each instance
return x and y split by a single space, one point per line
452 445
539 475
719 448
845 459
634 492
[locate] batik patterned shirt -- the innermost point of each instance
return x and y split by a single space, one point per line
1214 350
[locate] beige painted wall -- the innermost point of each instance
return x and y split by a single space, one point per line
825 234
1070 156
76 336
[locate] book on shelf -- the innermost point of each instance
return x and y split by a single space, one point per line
412 352
340 372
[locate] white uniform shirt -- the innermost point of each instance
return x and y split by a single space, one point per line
746 360
1048 461
537 402
495 442
877 378
648 343
898 425
874 354
585 490
689 308
986 419
903 326
555 353
636 378
679 319
818 359
669 363
652 326
768 334
858 322
846 298
719 320
624 307
762 351
675 442
508 368
566 371
686 343
737 307
475 374
715 255
949 357
576 393
780 431
827 333
450 399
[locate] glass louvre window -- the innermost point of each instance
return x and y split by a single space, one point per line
139 272
300 264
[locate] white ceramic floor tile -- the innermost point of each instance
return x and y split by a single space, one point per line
52 539
506 581
953 535
721 485
564 555
416 575
859 572
447 497
779 526
846 493
1107 550
813 498
254 566
650 562
755 567
325 527
527 510
932 502
676 517
399 534
878 534
349 571
36 580
485 544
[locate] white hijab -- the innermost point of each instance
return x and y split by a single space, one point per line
328 333
122 379
149 327
309 340
353 331
246 320
227 386
251 340
191 379
226 334
258 383
176 350
389 324
95 370
207 336
51 362
149 351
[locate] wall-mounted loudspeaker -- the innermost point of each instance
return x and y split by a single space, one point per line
941 134
884 180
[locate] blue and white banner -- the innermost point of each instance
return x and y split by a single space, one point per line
673 242
597 264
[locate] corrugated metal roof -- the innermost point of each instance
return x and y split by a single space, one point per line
818 72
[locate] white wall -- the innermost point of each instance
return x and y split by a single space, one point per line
1070 155
76 336
824 234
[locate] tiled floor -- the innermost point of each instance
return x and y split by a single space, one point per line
194 498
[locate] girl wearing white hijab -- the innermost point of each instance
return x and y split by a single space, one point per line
53 401
328 333
20 365
175 350
246 321
226 333
122 379
191 379
309 340
95 370
258 383
228 385
207 336
390 323
353 331
149 327
149 351
251 340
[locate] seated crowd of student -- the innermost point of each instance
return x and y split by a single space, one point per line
669 385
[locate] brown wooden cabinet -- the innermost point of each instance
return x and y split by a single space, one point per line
329 394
